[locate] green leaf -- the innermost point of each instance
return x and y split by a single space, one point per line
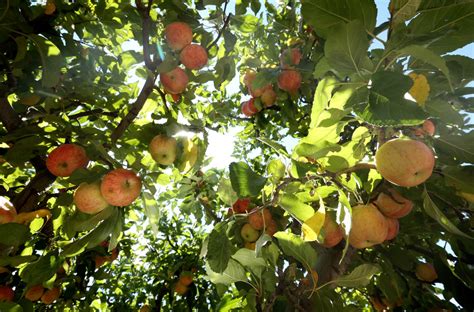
225 192
295 207
403 10
444 111
346 49
276 170
360 276
41 270
244 181
246 23
324 15
248 258
279 148
14 234
460 177
459 147
234 272
433 211
51 60
322 95
10 307
294 246
219 248
16 260
152 211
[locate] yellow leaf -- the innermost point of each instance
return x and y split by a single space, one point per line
420 89
312 226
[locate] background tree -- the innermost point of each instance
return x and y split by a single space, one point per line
351 188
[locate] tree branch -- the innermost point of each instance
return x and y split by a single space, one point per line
221 31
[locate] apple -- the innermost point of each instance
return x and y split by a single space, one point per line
120 187
186 278
369 226
193 56
271 228
259 219
426 272
100 261
377 304
174 81
6 293
290 58
393 204
393 228
429 127
34 293
88 198
65 159
163 149
289 80
249 245
249 77
248 233
248 108
7 211
180 289
30 100
178 35
332 232
241 205
50 7
405 162
268 97
50 295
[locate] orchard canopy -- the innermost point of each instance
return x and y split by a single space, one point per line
349 188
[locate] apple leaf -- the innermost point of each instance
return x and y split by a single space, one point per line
16 260
433 211
219 248
312 226
322 95
41 270
460 177
295 207
10 307
459 147
248 258
324 15
152 211
403 10
245 182
234 272
14 234
294 246
51 60
360 276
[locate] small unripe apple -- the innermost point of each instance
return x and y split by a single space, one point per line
7 211
332 232
6 293
193 56
89 199
50 295
174 81
163 149
65 159
289 80
393 205
248 108
268 97
426 272
120 187
369 226
241 205
405 162
186 278
178 35
260 218
393 228
248 233
34 293
290 58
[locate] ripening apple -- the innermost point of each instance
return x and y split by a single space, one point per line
271 228
174 81
248 108
248 233
178 35
6 293
249 78
193 56
120 187
88 198
250 246
7 211
290 58
368 227
426 272
186 278
428 128
393 228
405 162
241 205
65 159
258 219
34 293
163 149
393 205
289 80
332 232
180 289
145 308
268 97
50 295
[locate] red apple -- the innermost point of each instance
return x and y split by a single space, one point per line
241 205
393 228
426 272
332 232
289 80
268 97
163 149
89 199
178 35
50 295
369 226
34 293
193 56
174 81
259 219
248 108
271 228
405 162
290 58
186 278
393 204
6 293
65 159
120 187
7 211
180 289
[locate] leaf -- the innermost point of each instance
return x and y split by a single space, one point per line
244 181
294 246
433 211
225 192
248 258
276 170
346 49
16 260
322 95
312 226
324 15
459 147
14 234
460 177
41 270
403 10
51 60
295 207
219 248
10 307
233 273
279 148
360 276
444 111
152 211
420 89
246 23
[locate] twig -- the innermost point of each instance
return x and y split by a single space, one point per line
221 31
360 166
163 98
98 111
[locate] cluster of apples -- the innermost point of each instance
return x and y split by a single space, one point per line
38 292
185 279
257 221
101 259
179 37
164 151
289 80
119 187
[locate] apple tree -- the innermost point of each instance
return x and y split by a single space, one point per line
350 185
